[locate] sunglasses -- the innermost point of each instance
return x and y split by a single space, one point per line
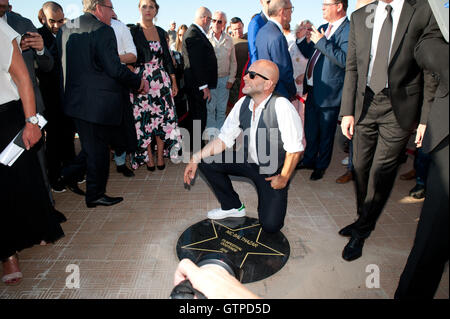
217 21
252 75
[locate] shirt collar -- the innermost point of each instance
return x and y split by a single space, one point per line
262 105
337 24
277 23
396 5
4 18
201 29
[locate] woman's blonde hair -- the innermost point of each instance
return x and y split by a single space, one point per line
179 43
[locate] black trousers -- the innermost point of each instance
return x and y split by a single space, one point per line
59 143
377 144
94 157
125 139
272 204
198 112
423 272
320 130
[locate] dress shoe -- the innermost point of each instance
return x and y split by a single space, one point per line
346 178
105 201
73 187
151 168
418 192
347 231
408 176
301 165
317 174
125 171
353 250
161 167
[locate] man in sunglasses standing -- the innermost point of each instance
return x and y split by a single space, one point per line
272 147
227 66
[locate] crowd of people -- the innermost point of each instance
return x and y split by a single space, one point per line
134 89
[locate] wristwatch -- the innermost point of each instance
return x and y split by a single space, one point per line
32 120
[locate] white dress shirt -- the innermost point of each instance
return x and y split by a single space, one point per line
335 25
380 17
289 122
8 89
125 43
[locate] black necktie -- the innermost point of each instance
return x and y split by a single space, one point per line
379 76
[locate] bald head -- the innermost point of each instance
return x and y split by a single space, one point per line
268 69
54 16
261 80
203 18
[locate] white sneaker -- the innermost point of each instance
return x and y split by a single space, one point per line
222 214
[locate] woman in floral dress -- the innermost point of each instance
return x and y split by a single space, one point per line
154 113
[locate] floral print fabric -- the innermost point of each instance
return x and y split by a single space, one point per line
154 113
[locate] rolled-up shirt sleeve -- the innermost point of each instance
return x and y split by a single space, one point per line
290 126
231 128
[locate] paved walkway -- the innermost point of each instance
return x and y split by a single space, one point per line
128 251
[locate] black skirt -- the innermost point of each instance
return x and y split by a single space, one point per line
26 213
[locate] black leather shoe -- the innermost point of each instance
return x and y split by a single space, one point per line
161 167
73 187
105 201
317 174
353 250
125 171
301 165
347 231
418 192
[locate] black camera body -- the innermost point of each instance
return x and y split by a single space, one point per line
185 290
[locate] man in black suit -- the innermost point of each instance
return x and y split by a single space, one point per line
59 137
385 95
426 263
94 80
200 68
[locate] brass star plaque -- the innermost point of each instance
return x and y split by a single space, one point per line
258 254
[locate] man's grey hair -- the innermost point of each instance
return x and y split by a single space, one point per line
91 5
276 5
304 22
224 15
51 5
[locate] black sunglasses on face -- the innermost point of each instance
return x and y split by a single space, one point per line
253 75
218 21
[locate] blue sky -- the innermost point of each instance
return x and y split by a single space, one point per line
181 11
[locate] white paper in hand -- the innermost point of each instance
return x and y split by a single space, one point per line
13 151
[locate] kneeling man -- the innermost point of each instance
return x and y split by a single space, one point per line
272 147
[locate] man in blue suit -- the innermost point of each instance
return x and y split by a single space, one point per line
324 77
255 25
272 45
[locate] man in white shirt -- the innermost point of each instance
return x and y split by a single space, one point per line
269 122
126 136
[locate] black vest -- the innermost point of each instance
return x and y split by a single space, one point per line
269 145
